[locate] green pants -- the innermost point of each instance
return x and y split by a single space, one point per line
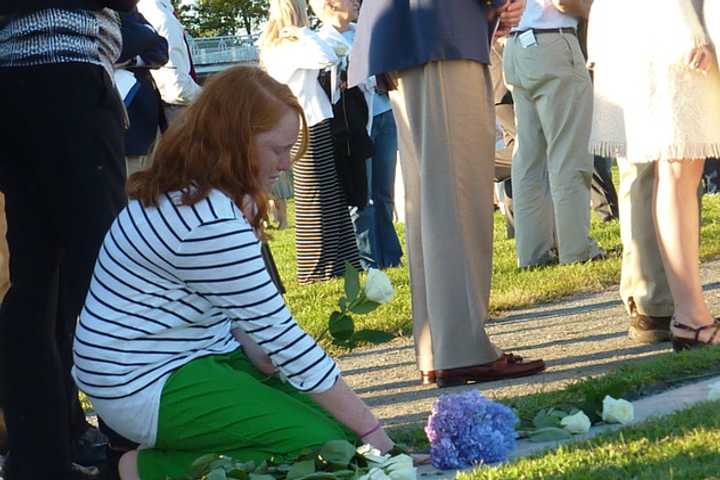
222 404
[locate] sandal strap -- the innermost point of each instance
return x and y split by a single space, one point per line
697 330
711 341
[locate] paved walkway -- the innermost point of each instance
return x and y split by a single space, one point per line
578 337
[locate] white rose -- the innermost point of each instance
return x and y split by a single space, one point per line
400 467
714 392
403 474
378 287
617 411
578 423
375 474
398 462
372 455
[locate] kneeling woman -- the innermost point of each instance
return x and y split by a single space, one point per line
184 337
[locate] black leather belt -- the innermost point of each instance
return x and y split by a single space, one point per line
539 31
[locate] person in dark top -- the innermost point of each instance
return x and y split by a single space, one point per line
143 50
63 177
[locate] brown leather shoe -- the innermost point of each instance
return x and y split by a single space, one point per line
507 366
427 378
646 328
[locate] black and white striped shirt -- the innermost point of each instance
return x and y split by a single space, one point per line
169 285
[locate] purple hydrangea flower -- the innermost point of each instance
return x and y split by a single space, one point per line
467 429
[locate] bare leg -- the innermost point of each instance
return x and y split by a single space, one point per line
128 466
676 224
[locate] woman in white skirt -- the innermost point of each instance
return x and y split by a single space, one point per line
657 99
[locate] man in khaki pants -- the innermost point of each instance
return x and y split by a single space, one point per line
552 167
444 112
643 284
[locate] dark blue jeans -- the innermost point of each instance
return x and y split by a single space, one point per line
376 236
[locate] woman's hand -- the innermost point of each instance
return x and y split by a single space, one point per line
379 439
347 408
701 58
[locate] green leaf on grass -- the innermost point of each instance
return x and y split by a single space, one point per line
352 282
365 307
226 463
343 474
204 462
548 417
248 466
341 326
321 476
549 434
217 474
301 469
593 409
337 453
261 476
262 468
238 474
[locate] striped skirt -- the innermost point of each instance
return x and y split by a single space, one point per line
325 238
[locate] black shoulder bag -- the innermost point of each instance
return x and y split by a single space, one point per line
352 144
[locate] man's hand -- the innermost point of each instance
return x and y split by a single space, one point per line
701 58
509 14
576 8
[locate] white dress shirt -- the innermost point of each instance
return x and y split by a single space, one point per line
173 80
543 14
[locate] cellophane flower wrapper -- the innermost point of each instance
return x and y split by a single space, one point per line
468 429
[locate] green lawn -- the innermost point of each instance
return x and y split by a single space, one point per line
685 445
511 287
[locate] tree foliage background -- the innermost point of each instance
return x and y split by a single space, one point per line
210 18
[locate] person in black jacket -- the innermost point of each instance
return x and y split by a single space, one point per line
143 50
62 172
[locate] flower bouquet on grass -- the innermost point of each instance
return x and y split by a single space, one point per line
467 429
336 460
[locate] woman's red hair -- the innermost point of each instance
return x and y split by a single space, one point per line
211 145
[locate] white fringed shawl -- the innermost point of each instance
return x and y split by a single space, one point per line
648 104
